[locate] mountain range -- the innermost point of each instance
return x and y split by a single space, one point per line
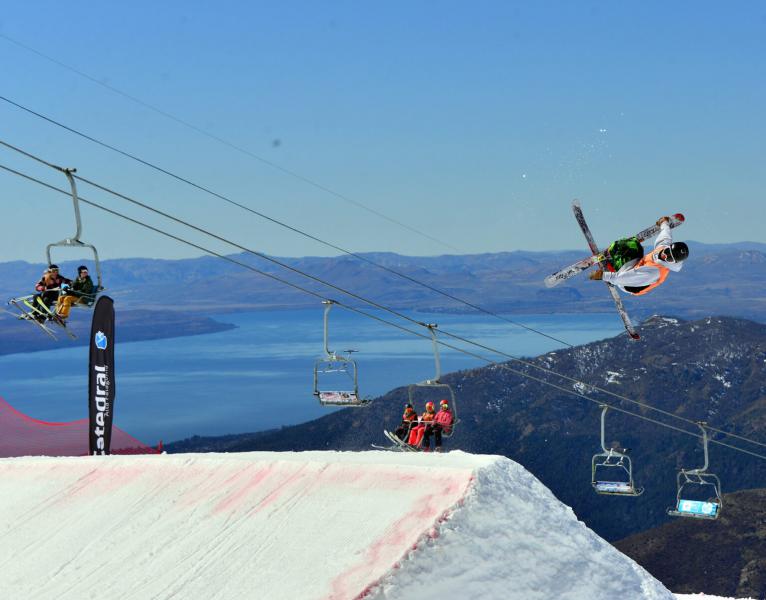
721 279
725 557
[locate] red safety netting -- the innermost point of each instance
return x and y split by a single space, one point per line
21 435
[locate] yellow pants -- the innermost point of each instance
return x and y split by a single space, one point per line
64 305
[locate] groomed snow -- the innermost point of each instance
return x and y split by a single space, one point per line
324 525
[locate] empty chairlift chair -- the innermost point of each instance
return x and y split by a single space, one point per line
432 389
695 484
336 369
608 465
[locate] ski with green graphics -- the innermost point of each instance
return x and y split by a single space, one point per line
604 264
600 256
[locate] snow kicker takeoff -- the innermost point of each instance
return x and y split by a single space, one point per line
623 265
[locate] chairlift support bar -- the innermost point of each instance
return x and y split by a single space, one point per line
74 241
437 359
328 304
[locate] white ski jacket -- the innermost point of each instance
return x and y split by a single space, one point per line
632 276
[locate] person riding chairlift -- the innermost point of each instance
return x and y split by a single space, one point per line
409 418
442 424
423 429
48 292
79 292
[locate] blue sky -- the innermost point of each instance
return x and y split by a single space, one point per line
475 122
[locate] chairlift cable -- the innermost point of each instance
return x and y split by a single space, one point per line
375 304
597 388
398 326
273 165
286 225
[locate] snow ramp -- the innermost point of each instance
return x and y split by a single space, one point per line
313 525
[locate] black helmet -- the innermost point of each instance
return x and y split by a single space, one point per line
53 267
81 268
679 251
408 405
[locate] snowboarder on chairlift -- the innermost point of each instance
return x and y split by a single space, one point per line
80 292
442 424
422 431
638 274
48 291
409 418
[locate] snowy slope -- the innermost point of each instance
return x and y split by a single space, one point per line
323 525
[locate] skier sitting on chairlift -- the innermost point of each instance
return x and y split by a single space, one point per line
79 292
422 431
409 418
637 273
48 292
442 424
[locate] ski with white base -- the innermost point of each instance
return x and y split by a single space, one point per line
581 265
402 444
396 444
604 264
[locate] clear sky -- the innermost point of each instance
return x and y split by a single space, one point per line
477 122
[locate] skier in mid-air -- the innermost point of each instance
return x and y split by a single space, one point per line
637 273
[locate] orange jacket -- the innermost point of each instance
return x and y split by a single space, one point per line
649 260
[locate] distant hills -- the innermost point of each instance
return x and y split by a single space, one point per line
718 279
712 369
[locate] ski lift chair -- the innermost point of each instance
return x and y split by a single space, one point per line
698 480
618 462
333 363
415 390
75 242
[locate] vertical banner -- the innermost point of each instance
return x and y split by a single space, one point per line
101 386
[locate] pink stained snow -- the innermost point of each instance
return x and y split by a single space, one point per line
314 525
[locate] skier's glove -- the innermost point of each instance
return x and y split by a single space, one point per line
597 275
65 287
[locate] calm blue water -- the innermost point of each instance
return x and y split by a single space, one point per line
259 375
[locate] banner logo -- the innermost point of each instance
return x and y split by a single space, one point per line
101 341
101 385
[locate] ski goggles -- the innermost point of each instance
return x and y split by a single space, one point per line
666 255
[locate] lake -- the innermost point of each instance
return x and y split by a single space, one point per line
260 375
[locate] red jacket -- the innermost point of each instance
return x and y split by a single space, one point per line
444 418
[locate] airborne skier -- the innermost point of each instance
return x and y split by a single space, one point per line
638 274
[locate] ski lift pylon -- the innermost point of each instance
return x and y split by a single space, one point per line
75 242
335 362
611 458
435 383
698 509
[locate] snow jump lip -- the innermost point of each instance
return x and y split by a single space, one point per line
266 525
294 526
